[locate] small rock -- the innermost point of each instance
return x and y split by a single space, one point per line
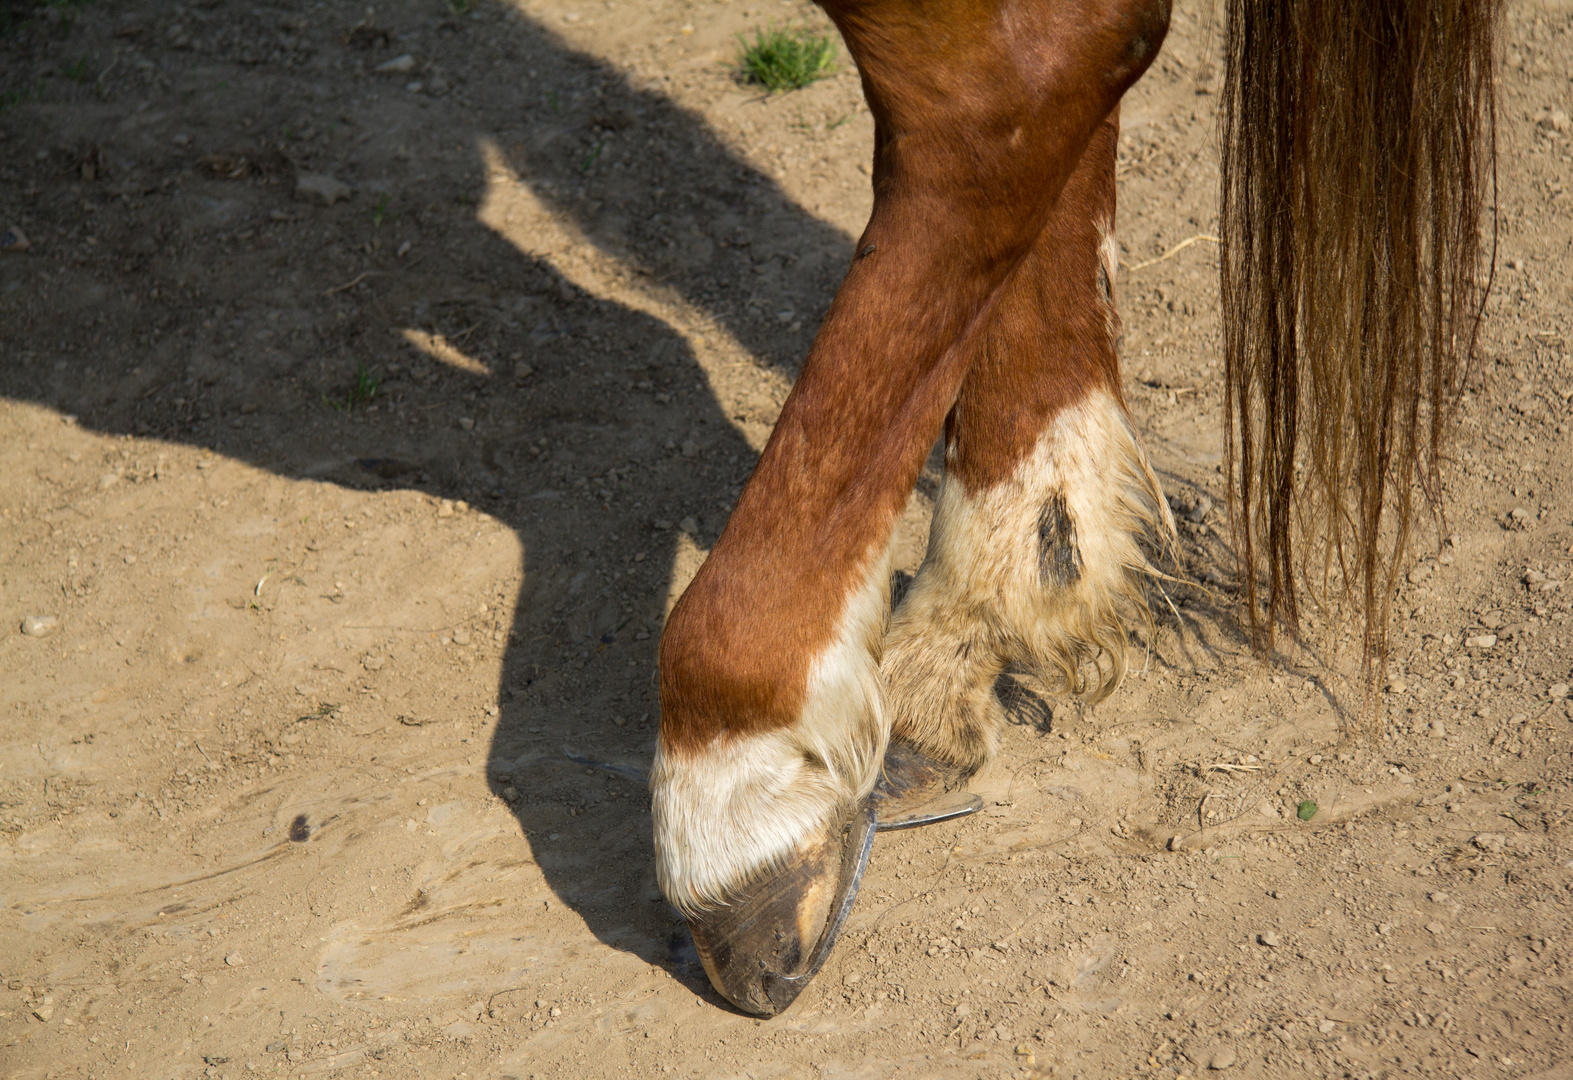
14 239
1558 691
1518 513
1436 730
689 525
321 189
399 65
1419 574
461 637
40 625
181 139
374 663
1270 939
690 448
1439 897
1397 686
466 424
445 508
1490 842
43 1013
1222 1058
1481 641
522 371
1200 511
1553 120
1435 928
1327 1027
234 959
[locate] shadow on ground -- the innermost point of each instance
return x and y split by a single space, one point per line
253 313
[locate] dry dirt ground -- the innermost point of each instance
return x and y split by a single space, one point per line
358 518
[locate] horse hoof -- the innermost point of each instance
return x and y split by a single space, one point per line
763 946
915 789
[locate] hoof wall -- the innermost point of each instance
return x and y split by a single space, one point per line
762 947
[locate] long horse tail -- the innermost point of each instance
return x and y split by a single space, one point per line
1358 147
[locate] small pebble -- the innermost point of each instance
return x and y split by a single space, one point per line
14 239
689 525
40 625
1481 641
321 189
461 637
1558 691
1437 730
1223 1058
1270 939
399 65
234 959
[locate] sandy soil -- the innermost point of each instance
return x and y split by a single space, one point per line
295 781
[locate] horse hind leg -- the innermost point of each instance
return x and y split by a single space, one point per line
1035 553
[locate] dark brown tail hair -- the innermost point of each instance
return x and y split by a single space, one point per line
1358 142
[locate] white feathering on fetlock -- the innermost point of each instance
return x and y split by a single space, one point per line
1044 569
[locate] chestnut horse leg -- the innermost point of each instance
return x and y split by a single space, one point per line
773 723
1034 551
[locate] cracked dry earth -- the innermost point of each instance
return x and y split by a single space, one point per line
370 385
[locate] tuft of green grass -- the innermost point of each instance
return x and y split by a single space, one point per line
786 59
589 161
379 213
361 393
1307 810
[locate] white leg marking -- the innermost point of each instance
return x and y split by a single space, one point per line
744 805
1041 569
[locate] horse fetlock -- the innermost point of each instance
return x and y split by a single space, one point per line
1043 569
939 667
